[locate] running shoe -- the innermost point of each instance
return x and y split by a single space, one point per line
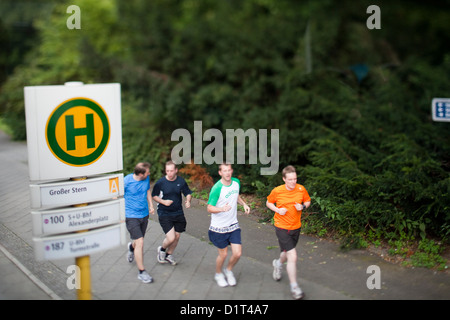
220 279
161 257
297 293
170 259
277 269
230 277
130 253
145 277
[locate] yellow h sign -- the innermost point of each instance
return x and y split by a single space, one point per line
78 132
72 132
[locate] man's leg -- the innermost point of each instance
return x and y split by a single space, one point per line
283 257
221 259
168 247
219 276
171 241
169 231
138 246
236 252
291 267
173 227
137 228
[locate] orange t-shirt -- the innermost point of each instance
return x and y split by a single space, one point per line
284 198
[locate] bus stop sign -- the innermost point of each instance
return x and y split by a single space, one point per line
440 108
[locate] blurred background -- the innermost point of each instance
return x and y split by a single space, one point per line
353 104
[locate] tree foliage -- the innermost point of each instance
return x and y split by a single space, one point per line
352 104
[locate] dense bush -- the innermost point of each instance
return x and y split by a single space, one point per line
352 104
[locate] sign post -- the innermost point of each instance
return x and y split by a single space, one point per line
74 137
84 265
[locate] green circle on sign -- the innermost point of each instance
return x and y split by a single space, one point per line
51 132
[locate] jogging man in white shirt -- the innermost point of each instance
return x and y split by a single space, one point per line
224 229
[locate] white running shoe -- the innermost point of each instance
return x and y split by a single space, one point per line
161 257
230 277
220 279
297 293
145 277
169 258
130 254
277 269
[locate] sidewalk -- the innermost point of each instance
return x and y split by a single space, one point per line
17 283
324 271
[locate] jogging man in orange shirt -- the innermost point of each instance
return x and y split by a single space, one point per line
288 201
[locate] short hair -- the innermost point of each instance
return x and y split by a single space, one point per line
288 169
169 163
224 164
141 168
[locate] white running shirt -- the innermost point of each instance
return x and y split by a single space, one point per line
219 196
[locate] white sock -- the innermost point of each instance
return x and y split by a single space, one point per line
294 285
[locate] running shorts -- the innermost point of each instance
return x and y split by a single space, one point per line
222 240
136 227
168 222
287 239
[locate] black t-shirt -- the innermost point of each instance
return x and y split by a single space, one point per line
171 190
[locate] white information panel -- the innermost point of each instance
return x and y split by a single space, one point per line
79 218
79 244
67 193
73 130
440 109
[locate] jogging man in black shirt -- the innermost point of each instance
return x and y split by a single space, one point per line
167 193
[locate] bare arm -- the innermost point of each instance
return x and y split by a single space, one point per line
242 203
150 202
188 201
214 209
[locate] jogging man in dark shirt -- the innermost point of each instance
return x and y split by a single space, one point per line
167 193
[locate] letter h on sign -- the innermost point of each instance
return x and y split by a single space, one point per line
72 132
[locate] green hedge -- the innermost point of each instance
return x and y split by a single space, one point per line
354 114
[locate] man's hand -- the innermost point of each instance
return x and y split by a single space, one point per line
167 202
226 207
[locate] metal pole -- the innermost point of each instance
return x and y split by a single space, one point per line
84 265
84 293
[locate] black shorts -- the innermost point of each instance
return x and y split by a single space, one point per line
136 227
287 238
168 222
